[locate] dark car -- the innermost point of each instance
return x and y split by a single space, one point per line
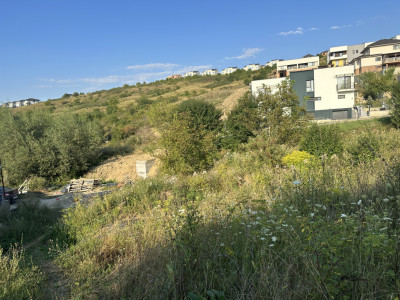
11 194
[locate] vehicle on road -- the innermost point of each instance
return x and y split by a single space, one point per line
11 194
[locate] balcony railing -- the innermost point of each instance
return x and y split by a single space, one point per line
391 59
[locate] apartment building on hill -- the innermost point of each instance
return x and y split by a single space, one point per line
285 67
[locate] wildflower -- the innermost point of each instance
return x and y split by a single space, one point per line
271 245
387 219
343 216
312 215
359 202
296 182
222 244
262 238
274 238
383 229
386 200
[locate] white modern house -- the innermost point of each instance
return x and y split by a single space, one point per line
209 72
252 67
285 67
191 73
229 70
273 62
326 93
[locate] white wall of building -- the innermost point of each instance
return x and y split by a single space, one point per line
258 86
325 86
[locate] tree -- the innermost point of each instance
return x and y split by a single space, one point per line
188 149
395 104
374 84
203 114
281 113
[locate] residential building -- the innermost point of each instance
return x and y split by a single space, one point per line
273 62
210 72
264 85
378 56
285 67
253 67
175 76
337 56
20 103
354 51
191 73
229 70
326 93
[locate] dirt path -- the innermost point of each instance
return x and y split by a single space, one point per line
230 101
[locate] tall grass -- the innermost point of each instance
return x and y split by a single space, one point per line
327 229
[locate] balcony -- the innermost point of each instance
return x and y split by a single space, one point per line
389 60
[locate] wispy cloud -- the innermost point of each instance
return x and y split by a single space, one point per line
247 52
312 29
299 30
152 66
138 73
334 27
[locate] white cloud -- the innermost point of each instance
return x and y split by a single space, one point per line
334 27
247 52
299 30
312 29
152 66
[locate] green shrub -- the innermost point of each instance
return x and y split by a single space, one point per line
364 149
319 140
202 113
37 183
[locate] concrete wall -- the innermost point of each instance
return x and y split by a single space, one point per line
300 79
383 49
284 63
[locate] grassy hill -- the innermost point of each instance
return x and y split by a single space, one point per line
297 211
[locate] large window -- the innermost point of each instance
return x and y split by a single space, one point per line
396 47
310 86
344 83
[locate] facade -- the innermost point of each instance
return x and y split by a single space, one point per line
209 72
354 51
175 76
326 93
191 73
253 67
285 67
378 56
337 56
20 103
262 86
229 70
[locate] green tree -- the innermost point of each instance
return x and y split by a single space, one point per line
374 84
395 104
319 140
281 114
203 114
188 149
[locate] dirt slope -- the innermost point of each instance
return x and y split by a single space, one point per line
230 101
121 168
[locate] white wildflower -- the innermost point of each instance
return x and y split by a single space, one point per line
383 229
386 200
359 202
274 238
343 216
312 215
296 182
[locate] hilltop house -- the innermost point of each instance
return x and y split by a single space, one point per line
174 76
253 67
20 103
285 67
327 93
273 62
209 72
229 70
191 73
337 56
378 56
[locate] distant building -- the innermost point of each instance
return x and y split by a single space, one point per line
378 56
175 76
229 70
191 73
209 72
285 67
253 67
20 103
265 85
337 56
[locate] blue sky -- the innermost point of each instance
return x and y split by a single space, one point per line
52 47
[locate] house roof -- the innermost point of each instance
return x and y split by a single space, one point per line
381 43
308 55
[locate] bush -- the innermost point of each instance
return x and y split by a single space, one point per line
395 105
202 114
319 140
364 149
297 158
37 183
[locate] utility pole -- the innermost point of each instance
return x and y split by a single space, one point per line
2 182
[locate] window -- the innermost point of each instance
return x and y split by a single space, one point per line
341 96
354 51
310 86
396 47
378 58
311 64
344 82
